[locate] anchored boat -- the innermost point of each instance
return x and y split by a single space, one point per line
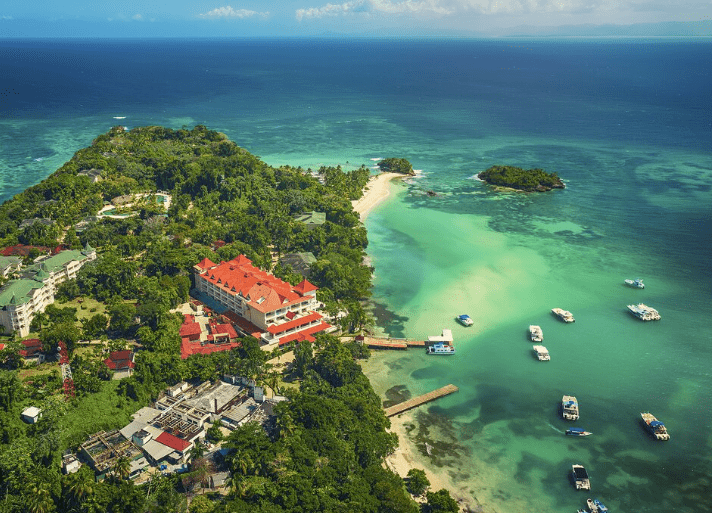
535 333
465 320
636 283
644 312
569 408
564 315
655 427
580 477
542 353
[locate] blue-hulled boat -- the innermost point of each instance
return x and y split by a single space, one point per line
577 432
600 508
465 320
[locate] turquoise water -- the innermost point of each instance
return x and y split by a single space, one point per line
625 123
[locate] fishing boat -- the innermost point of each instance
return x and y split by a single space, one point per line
569 408
564 315
636 283
535 333
542 353
644 312
465 320
580 476
600 508
440 348
577 432
655 427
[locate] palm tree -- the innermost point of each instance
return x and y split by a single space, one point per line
122 468
40 500
197 451
81 489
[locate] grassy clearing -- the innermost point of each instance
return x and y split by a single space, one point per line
104 410
84 307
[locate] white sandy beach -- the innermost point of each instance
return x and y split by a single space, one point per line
375 192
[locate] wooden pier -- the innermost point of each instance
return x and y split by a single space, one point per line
392 343
421 399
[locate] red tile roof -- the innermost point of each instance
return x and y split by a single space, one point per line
189 347
120 360
32 346
244 325
175 443
281 328
304 286
263 291
223 329
304 335
206 263
190 329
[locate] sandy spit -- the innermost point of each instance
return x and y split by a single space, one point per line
375 192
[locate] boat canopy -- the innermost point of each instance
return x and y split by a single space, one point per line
656 423
576 430
568 404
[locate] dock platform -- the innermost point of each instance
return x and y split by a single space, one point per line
421 399
392 343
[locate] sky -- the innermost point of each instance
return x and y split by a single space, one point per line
294 18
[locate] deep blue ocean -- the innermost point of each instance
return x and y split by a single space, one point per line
627 123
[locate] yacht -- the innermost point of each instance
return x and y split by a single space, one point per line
655 427
637 283
644 312
440 348
465 320
542 353
580 477
564 315
535 333
569 408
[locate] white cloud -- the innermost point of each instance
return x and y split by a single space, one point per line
450 7
229 12
137 17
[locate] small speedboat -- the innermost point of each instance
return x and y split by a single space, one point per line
636 283
465 320
600 508
577 432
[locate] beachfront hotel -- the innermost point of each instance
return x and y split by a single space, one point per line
261 304
21 299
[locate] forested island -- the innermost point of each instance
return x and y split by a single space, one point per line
324 449
528 180
396 165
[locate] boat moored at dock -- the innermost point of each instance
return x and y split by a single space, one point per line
580 477
465 320
535 333
655 427
636 283
542 353
564 315
440 348
644 312
599 507
569 408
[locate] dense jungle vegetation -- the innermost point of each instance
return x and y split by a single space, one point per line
522 179
327 449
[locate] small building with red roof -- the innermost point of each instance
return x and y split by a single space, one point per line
275 308
32 350
121 362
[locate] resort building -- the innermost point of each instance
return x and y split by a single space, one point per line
21 299
261 304
312 219
121 362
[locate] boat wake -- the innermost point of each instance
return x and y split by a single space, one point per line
555 428
119 117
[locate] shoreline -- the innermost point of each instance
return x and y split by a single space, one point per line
406 457
375 192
